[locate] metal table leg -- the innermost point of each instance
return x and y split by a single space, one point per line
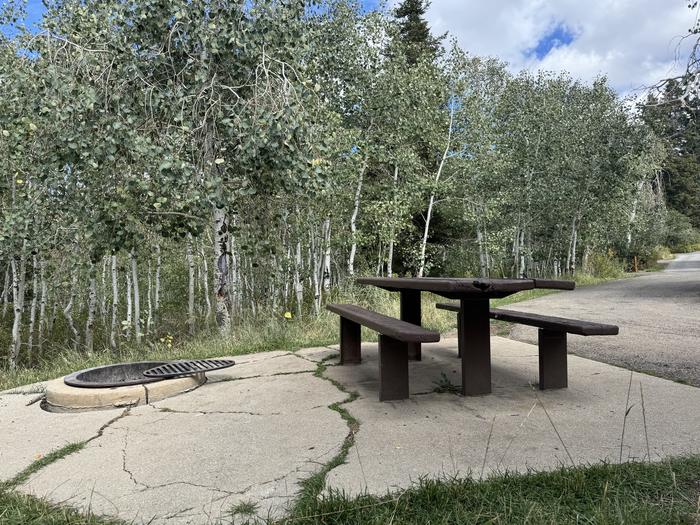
475 346
411 313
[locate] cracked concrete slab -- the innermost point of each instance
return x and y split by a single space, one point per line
516 428
29 433
253 432
260 365
189 459
319 354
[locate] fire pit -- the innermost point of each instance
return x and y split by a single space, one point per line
121 374
114 386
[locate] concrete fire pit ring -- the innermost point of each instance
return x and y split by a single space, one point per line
62 397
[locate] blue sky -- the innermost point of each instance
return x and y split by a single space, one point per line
633 42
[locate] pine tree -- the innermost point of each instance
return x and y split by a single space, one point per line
415 32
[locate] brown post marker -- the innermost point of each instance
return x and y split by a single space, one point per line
476 356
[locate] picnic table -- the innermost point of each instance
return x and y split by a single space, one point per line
473 295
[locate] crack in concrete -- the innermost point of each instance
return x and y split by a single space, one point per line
229 379
104 427
214 412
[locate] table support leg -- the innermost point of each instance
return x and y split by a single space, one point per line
350 342
552 359
411 313
475 347
393 369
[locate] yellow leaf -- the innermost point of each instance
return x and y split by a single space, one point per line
287 315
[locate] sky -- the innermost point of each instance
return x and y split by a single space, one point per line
634 43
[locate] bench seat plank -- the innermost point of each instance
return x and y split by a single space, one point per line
548 322
389 326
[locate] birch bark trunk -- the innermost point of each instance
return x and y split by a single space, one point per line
326 266
32 308
68 310
137 296
6 291
92 307
129 305
431 202
149 299
392 234
190 287
205 285
103 291
298 284
115 306
156 293
42 306
221 275
18 268
353 220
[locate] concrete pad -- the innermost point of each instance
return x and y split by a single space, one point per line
516 428
261 365
29 433
190 458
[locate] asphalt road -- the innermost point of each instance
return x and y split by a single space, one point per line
658 315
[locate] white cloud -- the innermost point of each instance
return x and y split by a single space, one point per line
633 42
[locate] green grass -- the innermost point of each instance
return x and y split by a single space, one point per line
634 493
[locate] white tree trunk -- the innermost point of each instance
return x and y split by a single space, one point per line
129 306
431 202
298 284
33 307
103 291
68 310
205 285
190 287
92 307
149 299
392 235
42 306
221 274
137 296
115 306
353 220
326 266
156 294
18 268
483 260
6 291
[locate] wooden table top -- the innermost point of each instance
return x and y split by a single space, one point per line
477 287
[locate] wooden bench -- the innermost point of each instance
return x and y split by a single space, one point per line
551 339
394 337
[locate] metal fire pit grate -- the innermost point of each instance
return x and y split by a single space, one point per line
187 368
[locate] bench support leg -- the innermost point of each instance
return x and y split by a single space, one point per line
411 313
475 346
393 369
553 372
350 342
